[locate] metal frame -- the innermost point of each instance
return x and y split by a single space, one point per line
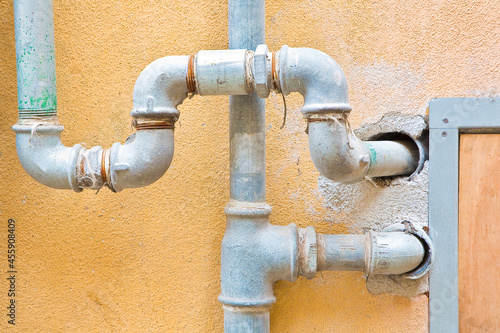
450 117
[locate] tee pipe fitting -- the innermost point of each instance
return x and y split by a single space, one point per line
255 254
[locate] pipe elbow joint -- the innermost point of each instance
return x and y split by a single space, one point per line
316 76
45 158
142 160
338 155
161 88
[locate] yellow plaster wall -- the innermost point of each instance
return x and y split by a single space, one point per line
148 260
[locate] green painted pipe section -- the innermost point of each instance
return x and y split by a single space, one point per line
35 52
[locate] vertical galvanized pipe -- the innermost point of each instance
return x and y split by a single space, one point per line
246 19
247 113
246 320
36 65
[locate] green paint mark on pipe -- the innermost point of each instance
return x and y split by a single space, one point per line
373 155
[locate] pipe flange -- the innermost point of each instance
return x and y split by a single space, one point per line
308 252
426 264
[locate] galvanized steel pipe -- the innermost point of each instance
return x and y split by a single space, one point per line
144 157
341 252
373 253
340 156
36 61
392 158
336 152
246 28
255 254
224 72
246 306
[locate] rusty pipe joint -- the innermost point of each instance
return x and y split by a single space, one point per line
165 83
143 159
312 73
47 160
263 71
308 252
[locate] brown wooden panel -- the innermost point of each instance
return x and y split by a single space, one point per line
479 233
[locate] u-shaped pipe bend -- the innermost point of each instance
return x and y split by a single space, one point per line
164 84
140 161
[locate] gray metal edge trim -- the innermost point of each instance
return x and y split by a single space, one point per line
449 117
465 113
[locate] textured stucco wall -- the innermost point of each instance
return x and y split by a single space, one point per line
148 260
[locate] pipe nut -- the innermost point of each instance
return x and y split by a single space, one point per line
262 70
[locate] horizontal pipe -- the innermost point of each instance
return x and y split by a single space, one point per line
389 158
341 252
225 72
372 253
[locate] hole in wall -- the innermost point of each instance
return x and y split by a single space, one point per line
421 145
